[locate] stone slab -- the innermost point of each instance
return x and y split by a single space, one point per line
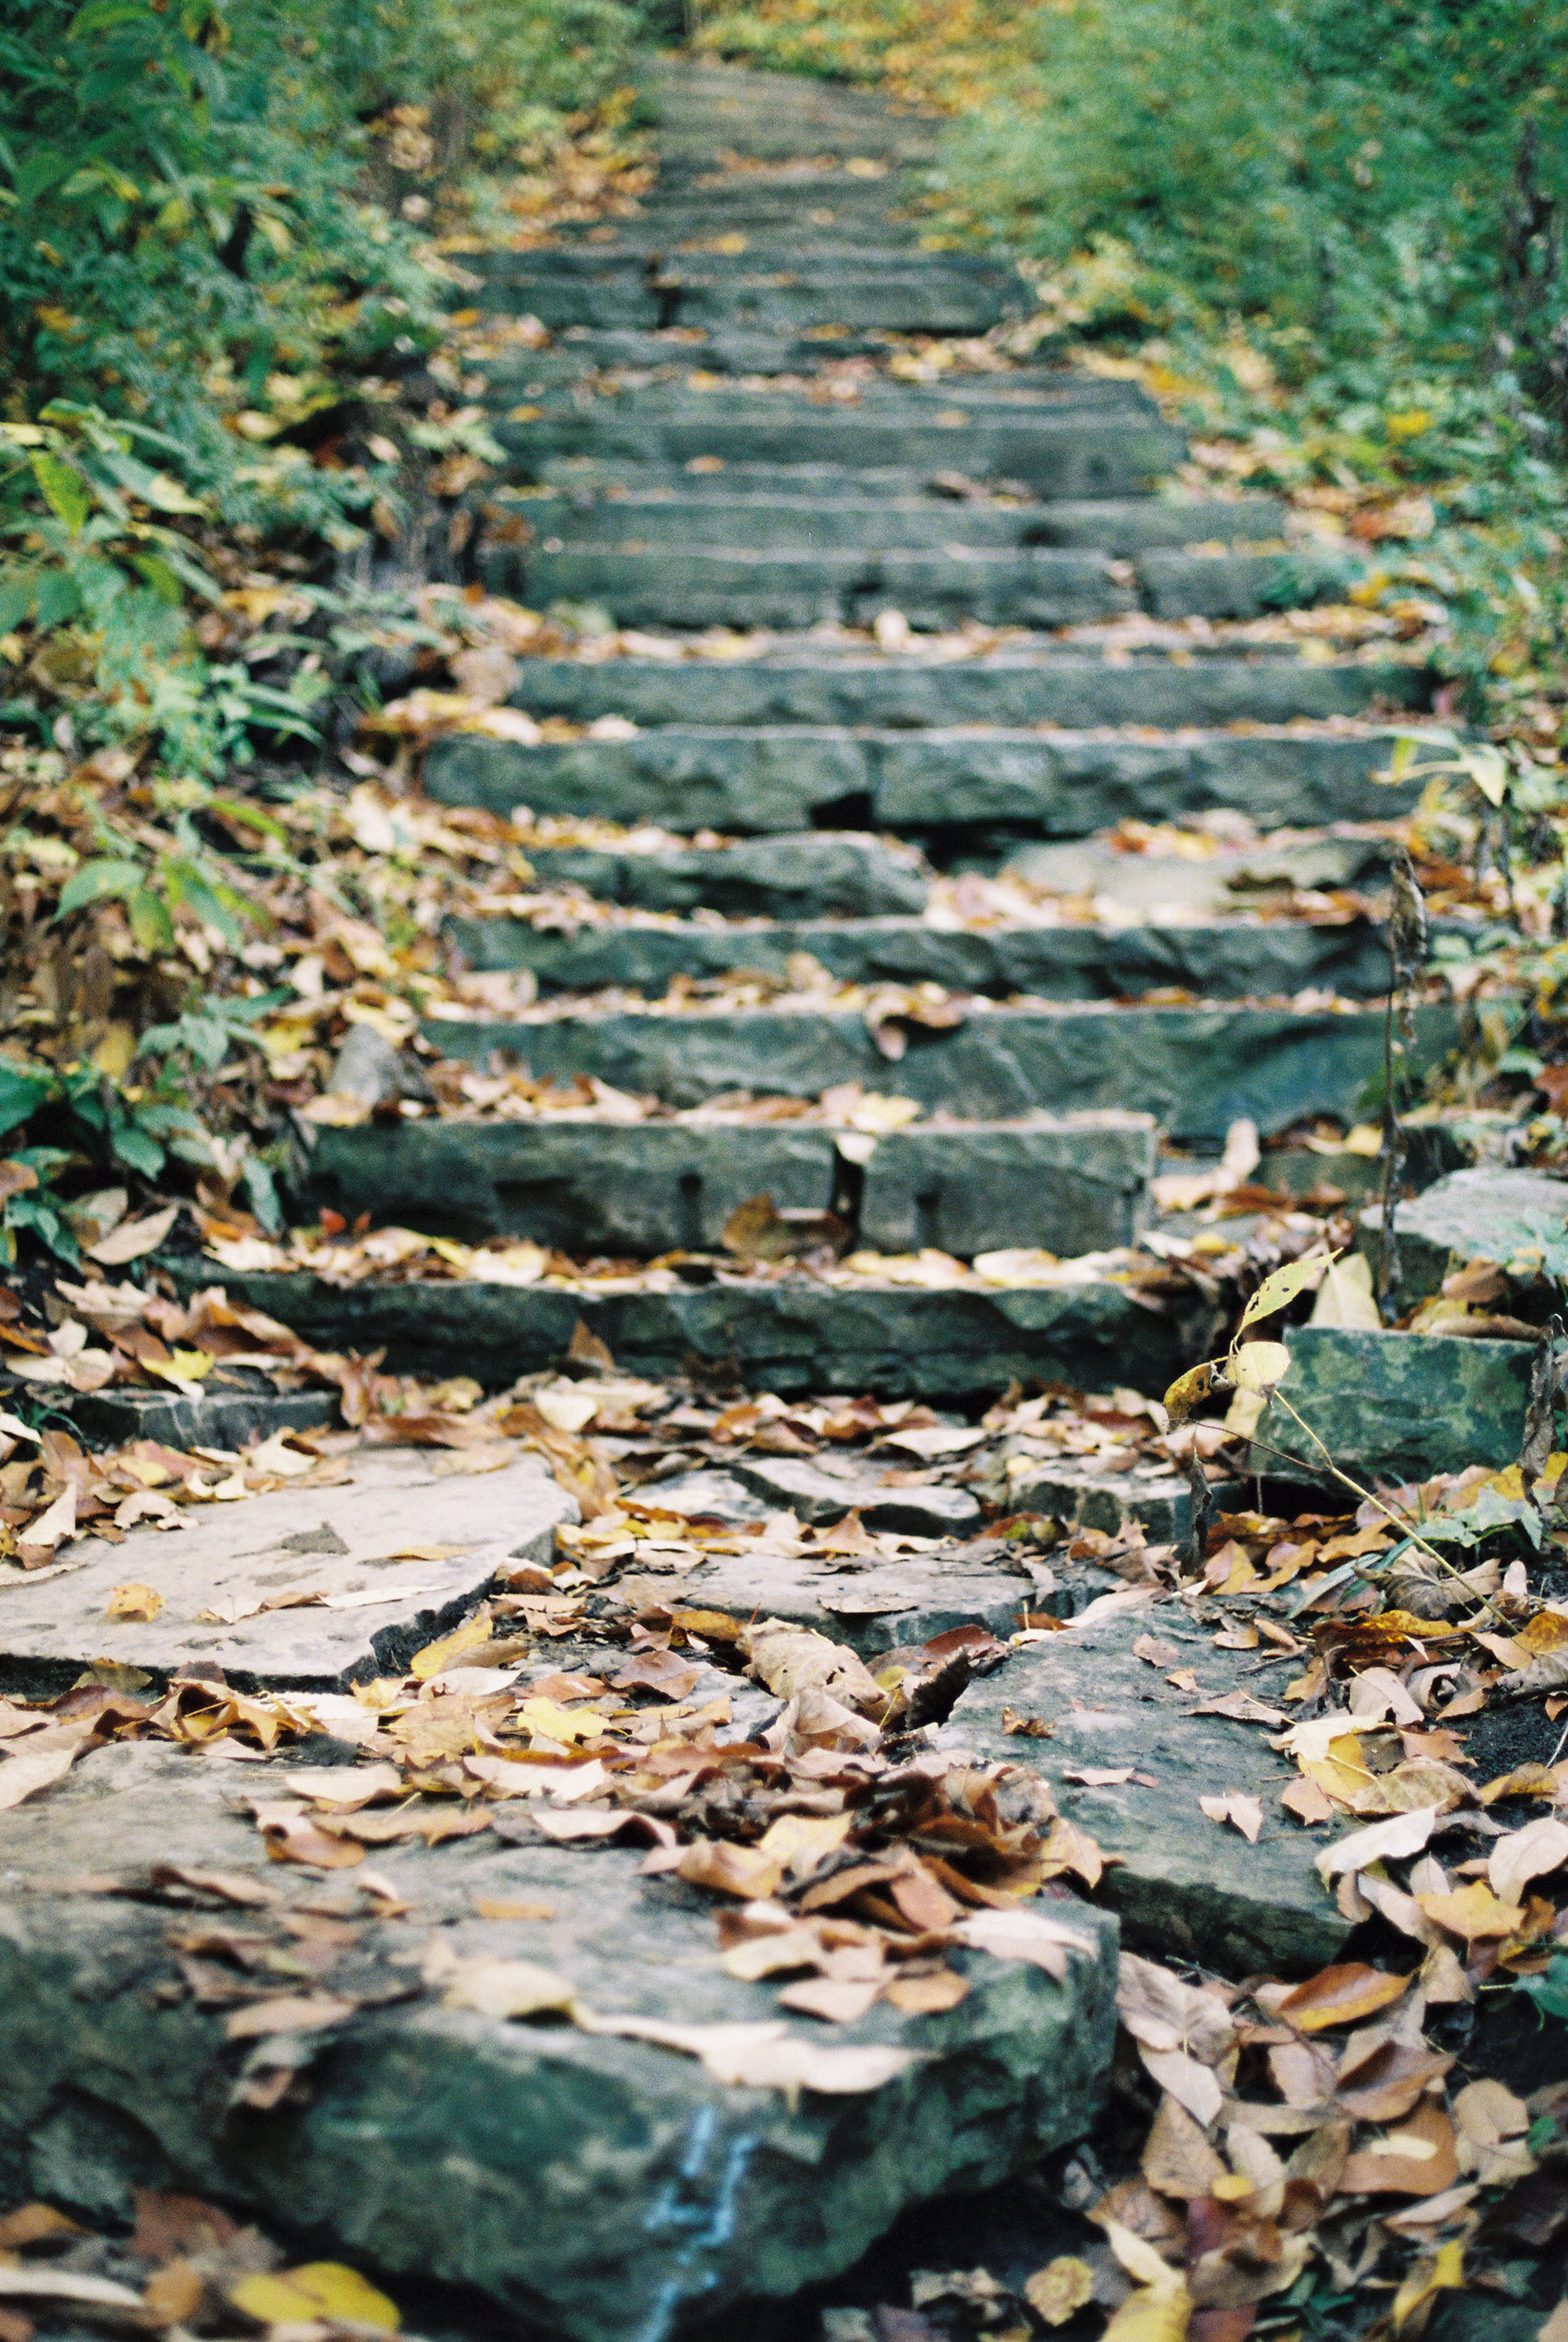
1395 1407
1072 1187
678 515
1219 585
343 1540
1187 1888
1196 1069
714 585
815 873
821 1489
217 1418
1475 1215
1072 1493
639 1189
592 2187
1025 784
1225 959
1072 456
791 1336
871 1606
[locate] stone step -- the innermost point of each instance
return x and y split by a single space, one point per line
712 585
1196 1070
1392 1409
1035 784
1065 454
651 1187
787 117
817 874
1184 1887
792 1335
896 291
668 516
620 2182
1227 959
1513 1219
803 683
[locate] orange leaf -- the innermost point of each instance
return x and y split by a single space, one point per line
1472 1913
1340 1995
1416 2159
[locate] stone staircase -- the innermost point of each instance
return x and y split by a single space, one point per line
683 457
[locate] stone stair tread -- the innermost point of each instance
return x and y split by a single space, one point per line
1196 1069
1225 956
1072 1187
1040 784
417 2110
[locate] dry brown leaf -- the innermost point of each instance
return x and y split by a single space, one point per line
1243 1813
1059 2290
1419 2158
1345 1995
1178 2160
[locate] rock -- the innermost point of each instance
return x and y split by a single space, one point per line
1394 1407
1471 1216
369 1068
1070 1187
593 2186
804 682
791 1336
814 874
343 1540
1196 1070
1186 1888
876 1606
822 1488
217 1418
1155 1495
1229 959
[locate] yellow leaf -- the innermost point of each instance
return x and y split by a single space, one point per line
801 1841
1275 1291
1061 2287
321 2289
1442 2274
1189 1390
1257 1365
435 1656
139 1603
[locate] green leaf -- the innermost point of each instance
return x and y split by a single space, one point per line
64 491
22 1092
137 1151
95 880
29 1212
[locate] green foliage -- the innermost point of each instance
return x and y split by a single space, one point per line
1548 1991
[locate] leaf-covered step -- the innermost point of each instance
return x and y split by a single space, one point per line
1226 959
781 287
804 683
664 513
649 1188
717 586
791 1336
1042 784
1094 451
1195 1068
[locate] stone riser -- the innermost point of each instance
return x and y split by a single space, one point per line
866 525
1069 457
1194 1069
934 589
647 1188
1066 963
791 1337
919 784
818 874
1069 693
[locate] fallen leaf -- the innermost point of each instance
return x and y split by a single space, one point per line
1525 1854
767 2056
288 2013
1060 2289
1384 1842
320 2291
133 1238
727 1869
1340 1995
43 1759
1177 2158
1417 2159
138 1602
1472 1913
1243 1813
508 1988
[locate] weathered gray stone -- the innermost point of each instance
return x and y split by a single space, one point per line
873 1607
1049 784
217 1418
804 683
1155 1496
821 1489
1070 1187
1227 959
642 1188
596 2188
714 585
679 516
1394 1407
1186 1887
1217 585
817 874
1196 1069
1506 1217
791 1336
1207 885
344 1540
1072 456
